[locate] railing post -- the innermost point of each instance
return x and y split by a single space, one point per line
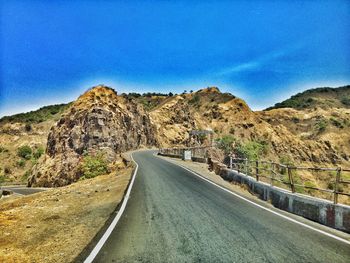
246 166
336 185
291 181
272 174
257 170
231 162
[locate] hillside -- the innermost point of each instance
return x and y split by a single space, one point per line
100 119
52 112
319 97
229 116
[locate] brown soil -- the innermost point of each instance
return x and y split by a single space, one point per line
56 225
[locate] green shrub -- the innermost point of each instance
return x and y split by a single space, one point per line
93 165
2 178
38 152
321 125
28 127
346 101
251 150
330 185
226 143
21 163
24 152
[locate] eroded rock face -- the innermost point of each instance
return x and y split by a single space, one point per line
98 121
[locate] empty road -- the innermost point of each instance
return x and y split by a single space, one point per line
174 216
23 190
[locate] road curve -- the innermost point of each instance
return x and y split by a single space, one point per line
23 190
174 216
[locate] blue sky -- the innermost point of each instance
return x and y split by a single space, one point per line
262 51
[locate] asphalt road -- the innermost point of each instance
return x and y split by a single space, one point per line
23 190
174 216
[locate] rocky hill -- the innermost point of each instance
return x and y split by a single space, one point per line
98 123
101 121
320 97
227 115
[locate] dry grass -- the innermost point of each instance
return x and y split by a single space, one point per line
55 226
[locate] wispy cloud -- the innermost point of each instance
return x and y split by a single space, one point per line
260 61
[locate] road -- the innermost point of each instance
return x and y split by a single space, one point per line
174 216
23 190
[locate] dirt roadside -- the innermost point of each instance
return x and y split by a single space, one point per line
56 225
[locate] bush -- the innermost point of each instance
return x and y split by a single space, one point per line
7 170
346 101
38 153
321 125
21 163
28 127
251 150
24 152
226 143
93 165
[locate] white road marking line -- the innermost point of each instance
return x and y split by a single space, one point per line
262 207
111 227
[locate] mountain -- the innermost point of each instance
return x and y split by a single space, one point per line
102 121
227 115
320 97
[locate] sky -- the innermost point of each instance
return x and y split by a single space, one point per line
261 51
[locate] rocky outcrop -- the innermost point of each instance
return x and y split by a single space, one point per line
225 114
99 121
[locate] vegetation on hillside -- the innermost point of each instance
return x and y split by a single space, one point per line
37 116
338 97
148 100
93 165
251 150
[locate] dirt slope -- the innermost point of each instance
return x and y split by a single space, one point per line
55 226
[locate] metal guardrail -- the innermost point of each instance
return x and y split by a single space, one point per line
276 174
285 174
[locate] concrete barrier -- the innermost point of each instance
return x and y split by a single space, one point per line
322 211
199 159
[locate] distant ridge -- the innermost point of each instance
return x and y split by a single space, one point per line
323 97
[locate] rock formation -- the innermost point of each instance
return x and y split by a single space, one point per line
99 121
